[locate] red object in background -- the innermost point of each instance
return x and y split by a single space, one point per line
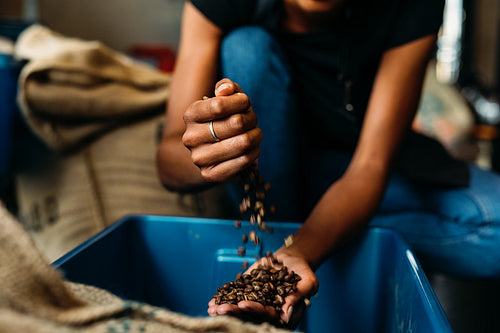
162 57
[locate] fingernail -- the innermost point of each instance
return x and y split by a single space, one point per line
222 87
289 314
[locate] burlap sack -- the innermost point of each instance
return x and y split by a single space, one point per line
100 113
72 90
76 195
35 298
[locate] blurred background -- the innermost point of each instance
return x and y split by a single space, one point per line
118 23
460 107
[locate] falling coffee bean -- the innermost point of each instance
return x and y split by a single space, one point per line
252 236
255 187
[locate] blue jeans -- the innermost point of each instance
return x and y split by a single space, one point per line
452 230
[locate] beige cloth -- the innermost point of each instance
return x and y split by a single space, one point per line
35 298
72 90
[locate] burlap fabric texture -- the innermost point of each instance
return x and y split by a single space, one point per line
71 90
35 298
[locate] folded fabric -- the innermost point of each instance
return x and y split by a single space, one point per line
34 297
71 90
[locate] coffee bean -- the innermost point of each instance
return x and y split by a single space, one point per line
254 187
307 302
252 236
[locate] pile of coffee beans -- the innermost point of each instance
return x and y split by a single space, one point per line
265 284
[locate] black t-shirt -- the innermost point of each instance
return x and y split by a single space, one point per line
333 70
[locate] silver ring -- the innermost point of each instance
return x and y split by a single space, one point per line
213 132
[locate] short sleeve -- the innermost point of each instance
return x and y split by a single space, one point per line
226 14
415 19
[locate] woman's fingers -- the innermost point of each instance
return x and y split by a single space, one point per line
201 133
229 169
245 310
222 133
235 124
210 154
295 303
216 108
222 309
258 312
226 87
237 149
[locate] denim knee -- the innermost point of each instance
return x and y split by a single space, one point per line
477 255
251 54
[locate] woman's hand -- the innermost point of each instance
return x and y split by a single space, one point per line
295 302
222 133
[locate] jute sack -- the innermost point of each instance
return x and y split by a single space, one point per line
99 112
72 90
35 298
70 197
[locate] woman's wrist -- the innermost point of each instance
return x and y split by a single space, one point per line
293 250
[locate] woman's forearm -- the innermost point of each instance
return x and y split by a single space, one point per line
344 209
193 77
349 203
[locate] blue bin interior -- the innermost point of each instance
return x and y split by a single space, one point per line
8 81
372 285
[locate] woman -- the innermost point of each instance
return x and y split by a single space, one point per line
322 94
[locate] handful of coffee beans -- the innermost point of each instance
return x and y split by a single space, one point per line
270 283
265 284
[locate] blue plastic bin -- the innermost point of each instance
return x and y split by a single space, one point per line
373 285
